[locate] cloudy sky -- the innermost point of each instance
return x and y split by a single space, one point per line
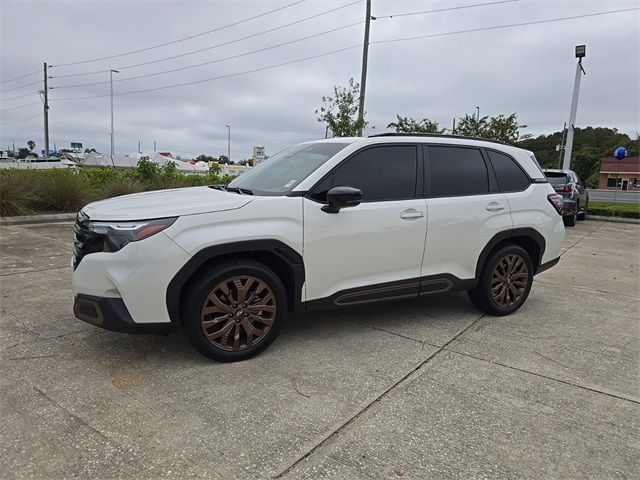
528 69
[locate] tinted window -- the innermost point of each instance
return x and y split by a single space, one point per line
510 176
557 178
457 171
382 173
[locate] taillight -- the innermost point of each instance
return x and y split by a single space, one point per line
568 188
556 201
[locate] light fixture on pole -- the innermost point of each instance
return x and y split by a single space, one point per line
229 144
581 52
113 147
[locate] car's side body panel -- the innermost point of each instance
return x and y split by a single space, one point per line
363 245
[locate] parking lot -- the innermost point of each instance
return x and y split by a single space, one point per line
416 389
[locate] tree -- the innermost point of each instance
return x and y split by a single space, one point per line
409 125
206 158
224 159
246 162
23 153
340 112
505 128
472 126
31 144
502 128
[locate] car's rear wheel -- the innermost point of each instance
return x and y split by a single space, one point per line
570 220
233 311
582 214
505 281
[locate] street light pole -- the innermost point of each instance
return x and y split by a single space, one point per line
229 144
113 145
581 51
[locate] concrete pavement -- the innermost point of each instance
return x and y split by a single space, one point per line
418 389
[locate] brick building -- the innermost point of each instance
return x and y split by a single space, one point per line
626 171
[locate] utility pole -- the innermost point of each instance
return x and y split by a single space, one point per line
561 146
581 51
453 132
154 145
229 145
363 76
113 144
46 112
139 147
13 146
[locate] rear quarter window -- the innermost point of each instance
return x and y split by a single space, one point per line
511 178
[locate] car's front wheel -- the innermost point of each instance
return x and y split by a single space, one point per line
233 311
505 281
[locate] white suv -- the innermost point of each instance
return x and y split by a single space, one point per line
325 224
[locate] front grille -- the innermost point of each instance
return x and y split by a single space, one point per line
84 240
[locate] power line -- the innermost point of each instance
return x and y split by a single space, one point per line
21 86
214 78
20 106
506 26
146 49
192 52
444 9
21 76
20 121
348 48
15 98
213 61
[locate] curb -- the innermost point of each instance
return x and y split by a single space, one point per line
602 218
25 219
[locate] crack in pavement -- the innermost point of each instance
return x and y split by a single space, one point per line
572 384
34 271
583 238
72 415
373 402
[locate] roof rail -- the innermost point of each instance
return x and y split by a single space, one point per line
435 135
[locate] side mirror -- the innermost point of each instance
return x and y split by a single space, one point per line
342 197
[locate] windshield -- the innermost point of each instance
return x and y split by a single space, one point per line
279 174
556 178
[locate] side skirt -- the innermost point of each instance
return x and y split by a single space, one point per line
399 290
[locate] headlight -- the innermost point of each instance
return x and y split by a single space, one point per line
118 234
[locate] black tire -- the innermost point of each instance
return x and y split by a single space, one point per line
483 297
570 220
582 215
226 274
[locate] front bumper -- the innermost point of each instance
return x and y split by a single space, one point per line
112 314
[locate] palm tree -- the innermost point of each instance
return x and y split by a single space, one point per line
31 144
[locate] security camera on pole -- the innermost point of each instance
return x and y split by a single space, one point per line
581 52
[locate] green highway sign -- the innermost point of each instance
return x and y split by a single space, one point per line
76 145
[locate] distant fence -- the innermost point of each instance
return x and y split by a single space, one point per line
33 165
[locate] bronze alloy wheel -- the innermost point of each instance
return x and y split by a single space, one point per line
238 313
509 280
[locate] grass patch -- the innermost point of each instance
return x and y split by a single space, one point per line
28 192
624 210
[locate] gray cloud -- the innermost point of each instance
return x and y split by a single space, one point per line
528 69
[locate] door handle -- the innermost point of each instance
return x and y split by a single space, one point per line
411 214
494 207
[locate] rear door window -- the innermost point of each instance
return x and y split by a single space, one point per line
456 171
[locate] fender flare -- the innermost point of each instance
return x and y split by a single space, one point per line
506 235
286 256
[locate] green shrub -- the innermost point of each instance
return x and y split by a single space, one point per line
61 190
146 169
17 192
625 210
121 186
98 177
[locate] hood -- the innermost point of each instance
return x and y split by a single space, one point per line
165 203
